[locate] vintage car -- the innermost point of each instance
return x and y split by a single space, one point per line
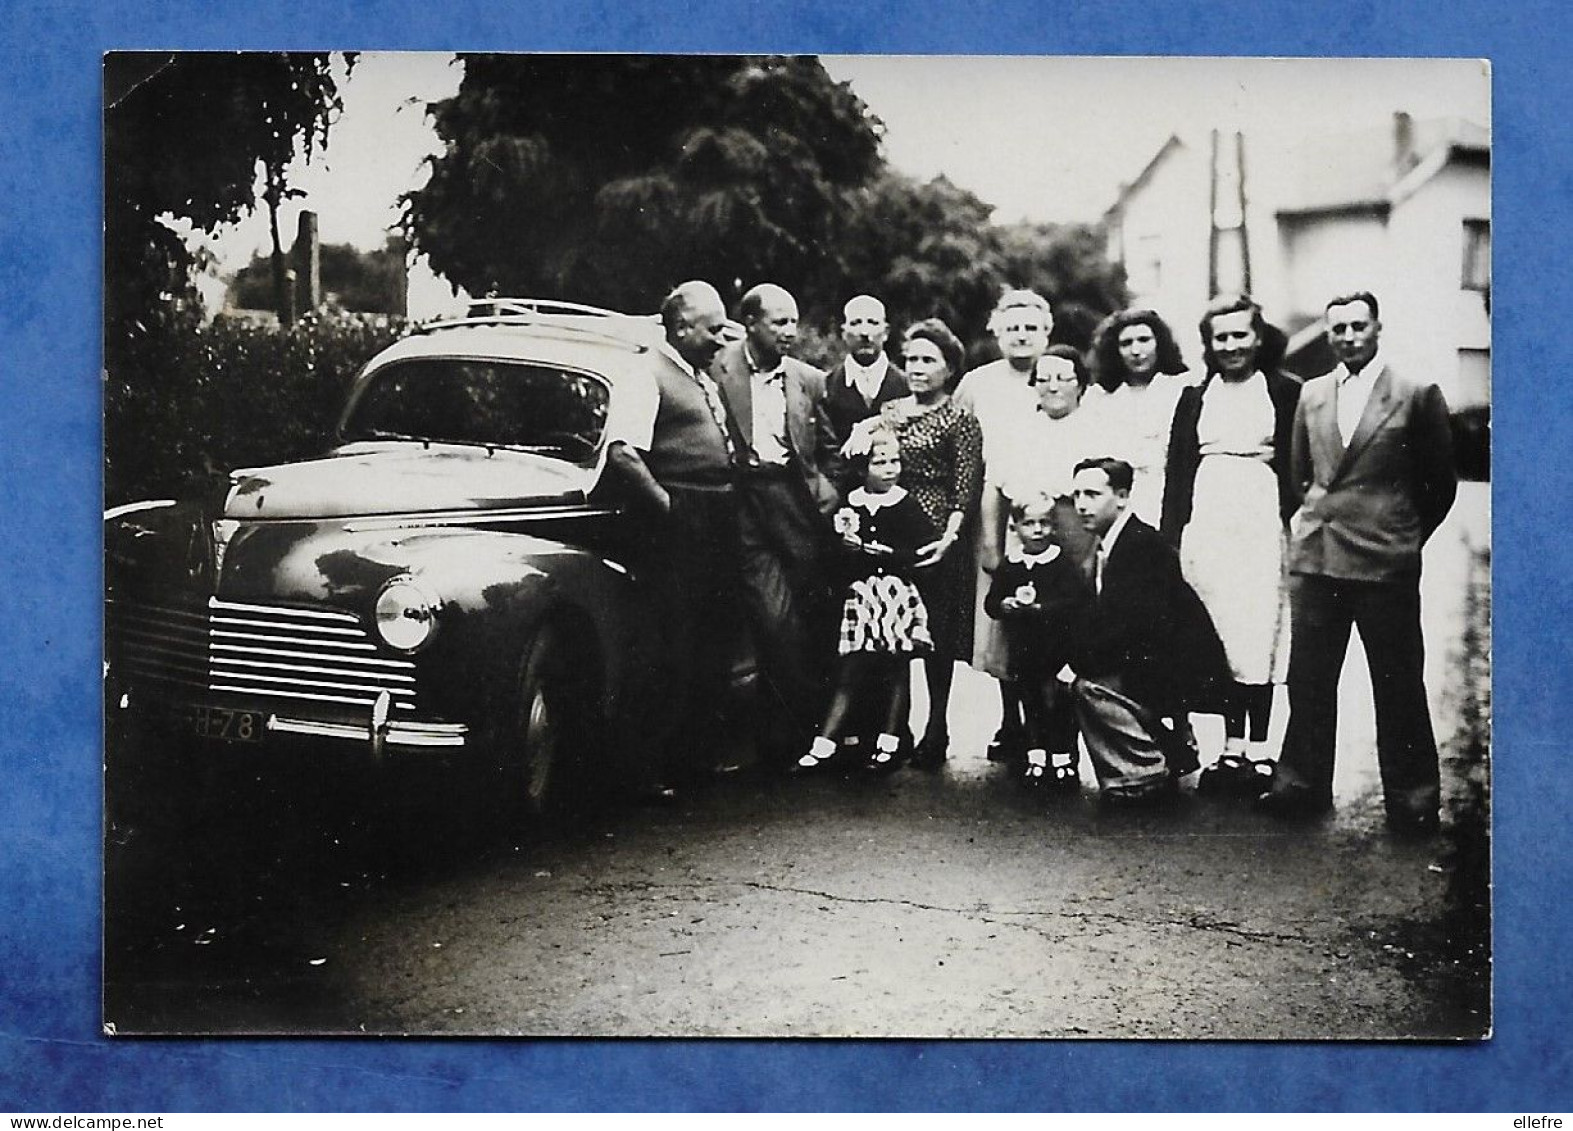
453 580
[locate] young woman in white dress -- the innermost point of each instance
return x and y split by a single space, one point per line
1227 503
1139 367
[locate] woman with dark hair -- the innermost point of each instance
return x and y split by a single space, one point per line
1227 503
942 468
1142 374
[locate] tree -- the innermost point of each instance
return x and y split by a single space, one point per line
369 282
609 178
927 249
184 135
931 249
1069 264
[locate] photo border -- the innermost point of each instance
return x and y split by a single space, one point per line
52 1057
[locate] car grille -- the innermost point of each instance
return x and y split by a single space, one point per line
297 655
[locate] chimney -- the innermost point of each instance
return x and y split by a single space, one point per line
1404 156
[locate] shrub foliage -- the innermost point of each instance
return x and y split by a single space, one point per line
193 401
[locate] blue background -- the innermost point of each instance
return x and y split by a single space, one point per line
51 1056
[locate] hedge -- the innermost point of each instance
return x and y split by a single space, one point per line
191 401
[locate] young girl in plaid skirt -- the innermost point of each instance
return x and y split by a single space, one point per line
883 622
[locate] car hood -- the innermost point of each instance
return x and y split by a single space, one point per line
403 477
170 551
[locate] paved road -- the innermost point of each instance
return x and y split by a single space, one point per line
952 904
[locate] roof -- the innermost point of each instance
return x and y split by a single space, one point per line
1359 170
1351 171
1127 191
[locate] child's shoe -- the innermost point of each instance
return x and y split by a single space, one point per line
886 755
1062 776
820 754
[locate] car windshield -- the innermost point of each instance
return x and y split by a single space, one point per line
495 403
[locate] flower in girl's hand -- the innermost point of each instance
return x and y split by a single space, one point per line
1026 594
846 522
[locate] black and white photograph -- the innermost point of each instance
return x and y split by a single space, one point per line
797 546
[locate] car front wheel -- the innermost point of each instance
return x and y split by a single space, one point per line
547 723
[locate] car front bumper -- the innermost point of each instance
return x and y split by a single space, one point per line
314 672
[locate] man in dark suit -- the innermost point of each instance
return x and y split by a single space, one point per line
1149 652
1372 459
864 379
787 497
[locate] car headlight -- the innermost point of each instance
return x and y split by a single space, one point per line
406 614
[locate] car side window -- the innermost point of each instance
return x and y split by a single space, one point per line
507 404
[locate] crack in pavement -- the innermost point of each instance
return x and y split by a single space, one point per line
991 916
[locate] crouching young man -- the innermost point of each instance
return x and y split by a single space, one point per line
1149 653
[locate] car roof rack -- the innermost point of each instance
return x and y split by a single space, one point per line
540 312
481 307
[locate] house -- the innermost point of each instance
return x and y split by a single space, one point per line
1402 210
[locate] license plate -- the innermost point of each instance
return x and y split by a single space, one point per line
227 725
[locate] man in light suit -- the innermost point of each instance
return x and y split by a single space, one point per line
865 378
787 497
1372 457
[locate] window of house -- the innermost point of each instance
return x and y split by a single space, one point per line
1145 271
1477 255
1474 379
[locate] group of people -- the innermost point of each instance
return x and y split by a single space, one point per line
1119 542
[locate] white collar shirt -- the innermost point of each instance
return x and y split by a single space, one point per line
1106 547
864 499
1354 393
867 379
1042 557
770 408
630 416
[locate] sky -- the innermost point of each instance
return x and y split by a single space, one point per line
1053 139
376 151
1041 138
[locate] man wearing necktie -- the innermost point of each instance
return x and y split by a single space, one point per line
785 457
676 450
1149 651
866 378
1372 459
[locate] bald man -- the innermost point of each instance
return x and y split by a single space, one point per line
676 456
787 497
865 378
